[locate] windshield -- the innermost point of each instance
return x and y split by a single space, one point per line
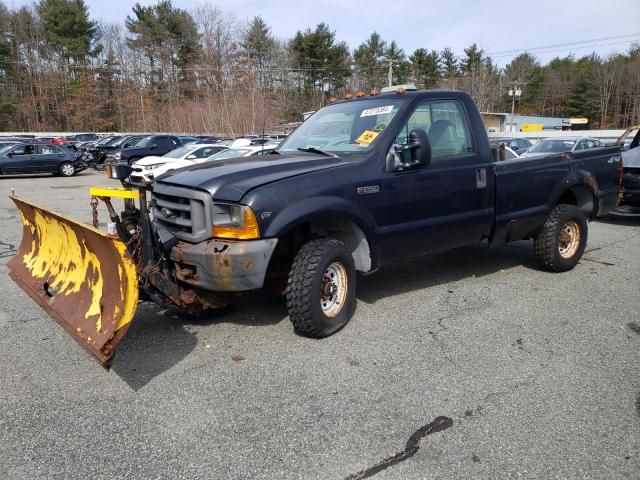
5 147
552 146
132 142
144 142
344 128
178 152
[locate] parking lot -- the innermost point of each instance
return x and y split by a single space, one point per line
469 364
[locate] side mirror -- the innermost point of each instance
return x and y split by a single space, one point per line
191 157
10 154
153 146
417 152
420 147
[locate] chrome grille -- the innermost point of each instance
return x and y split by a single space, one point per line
185 213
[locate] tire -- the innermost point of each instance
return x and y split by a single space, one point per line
131 160
561 243
313 313
67 169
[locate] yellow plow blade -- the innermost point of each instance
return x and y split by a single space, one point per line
81 276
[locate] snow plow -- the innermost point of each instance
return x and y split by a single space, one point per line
91 281
78 274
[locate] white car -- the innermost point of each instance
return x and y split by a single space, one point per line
148 168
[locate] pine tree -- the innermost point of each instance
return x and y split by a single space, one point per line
425 67
67 26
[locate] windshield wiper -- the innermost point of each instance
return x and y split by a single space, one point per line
317 150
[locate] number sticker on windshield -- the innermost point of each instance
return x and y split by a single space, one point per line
367 137
369 112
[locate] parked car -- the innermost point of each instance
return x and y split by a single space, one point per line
75 141
518 145
33 157
149 168
156 145
551 146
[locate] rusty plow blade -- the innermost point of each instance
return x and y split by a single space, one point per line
81 276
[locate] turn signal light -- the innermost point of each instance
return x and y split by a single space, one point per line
249 229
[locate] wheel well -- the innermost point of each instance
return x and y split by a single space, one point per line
582 197
341 229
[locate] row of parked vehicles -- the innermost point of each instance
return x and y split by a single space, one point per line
67 156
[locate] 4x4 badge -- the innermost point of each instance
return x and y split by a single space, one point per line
368 189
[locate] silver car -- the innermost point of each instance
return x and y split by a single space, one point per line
551 146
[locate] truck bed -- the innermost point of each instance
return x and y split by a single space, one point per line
527 188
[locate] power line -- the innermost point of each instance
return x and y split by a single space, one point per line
567 44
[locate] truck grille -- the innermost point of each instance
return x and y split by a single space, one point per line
185 213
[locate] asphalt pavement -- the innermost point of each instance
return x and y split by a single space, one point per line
469 364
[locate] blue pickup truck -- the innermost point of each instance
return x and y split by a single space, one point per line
363 183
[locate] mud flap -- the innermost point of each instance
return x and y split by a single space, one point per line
79 275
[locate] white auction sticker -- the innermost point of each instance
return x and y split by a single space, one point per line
369 112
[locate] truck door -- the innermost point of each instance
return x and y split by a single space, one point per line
444 205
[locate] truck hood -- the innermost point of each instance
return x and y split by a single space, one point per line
231 179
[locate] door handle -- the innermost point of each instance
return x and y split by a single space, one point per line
481 178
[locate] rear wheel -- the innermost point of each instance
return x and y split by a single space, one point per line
561 243
67 169
321 288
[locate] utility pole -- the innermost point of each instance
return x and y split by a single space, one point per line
390 75
514 91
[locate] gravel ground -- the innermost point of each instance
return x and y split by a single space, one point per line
469 364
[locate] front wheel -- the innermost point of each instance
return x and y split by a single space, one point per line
561 243
67 169
321 288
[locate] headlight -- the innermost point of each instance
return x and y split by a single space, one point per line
117 155
151 167
234 221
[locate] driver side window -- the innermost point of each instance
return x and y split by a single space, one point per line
446 125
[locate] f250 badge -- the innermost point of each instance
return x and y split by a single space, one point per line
369 189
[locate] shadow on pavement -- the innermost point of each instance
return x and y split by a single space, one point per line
439 269
159 339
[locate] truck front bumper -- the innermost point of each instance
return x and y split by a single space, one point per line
223 265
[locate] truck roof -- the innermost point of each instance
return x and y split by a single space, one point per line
405 94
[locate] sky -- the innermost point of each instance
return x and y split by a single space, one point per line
497 26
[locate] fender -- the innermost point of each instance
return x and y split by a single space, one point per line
576 178
319 207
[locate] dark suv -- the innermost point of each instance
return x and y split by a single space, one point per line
157 145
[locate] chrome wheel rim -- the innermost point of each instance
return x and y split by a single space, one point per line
68 169
569 240
333 289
